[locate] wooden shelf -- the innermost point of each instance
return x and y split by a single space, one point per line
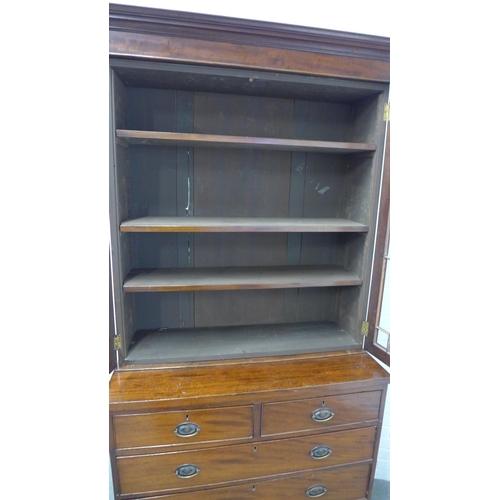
197 344
239 224
227 141
237 278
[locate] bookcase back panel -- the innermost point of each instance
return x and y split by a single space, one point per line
316 304
324 186
225 114
240 249
158 310
242 307
155 250
241 182
152 181
323 121
152 109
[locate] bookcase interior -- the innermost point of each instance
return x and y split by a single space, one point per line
244 205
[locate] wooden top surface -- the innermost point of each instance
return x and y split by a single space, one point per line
199 382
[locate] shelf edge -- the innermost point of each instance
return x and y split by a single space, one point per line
237 278
158 224
143 137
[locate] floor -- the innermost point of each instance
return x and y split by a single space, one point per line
381 490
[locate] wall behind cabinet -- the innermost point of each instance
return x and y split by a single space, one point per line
365 17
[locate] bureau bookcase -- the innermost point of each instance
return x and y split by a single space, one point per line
246 161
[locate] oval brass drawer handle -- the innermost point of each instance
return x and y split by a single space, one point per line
187 470
187 430
318 490
321 452
322 414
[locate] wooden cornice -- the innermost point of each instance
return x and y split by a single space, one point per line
181 36
246 32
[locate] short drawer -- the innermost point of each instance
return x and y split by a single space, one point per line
181 427
175 471
320 413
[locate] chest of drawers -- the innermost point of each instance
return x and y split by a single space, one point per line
298 427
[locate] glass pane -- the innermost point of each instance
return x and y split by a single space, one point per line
384 320
382 339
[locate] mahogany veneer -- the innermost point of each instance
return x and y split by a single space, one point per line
254 422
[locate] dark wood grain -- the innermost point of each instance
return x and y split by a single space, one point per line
236 278
347 408
267 379
156 429
126 44
156 473
212 140
248 31
345 483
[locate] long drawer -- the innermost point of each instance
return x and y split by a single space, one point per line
182 427
343 483
176 471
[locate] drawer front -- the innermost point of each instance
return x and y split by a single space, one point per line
344 483
167 471
182 427
320 413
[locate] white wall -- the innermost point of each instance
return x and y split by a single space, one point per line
383 462
384 455
366 17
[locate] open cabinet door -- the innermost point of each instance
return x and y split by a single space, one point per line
377 341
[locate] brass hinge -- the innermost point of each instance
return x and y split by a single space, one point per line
365 327
118 342
387 112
